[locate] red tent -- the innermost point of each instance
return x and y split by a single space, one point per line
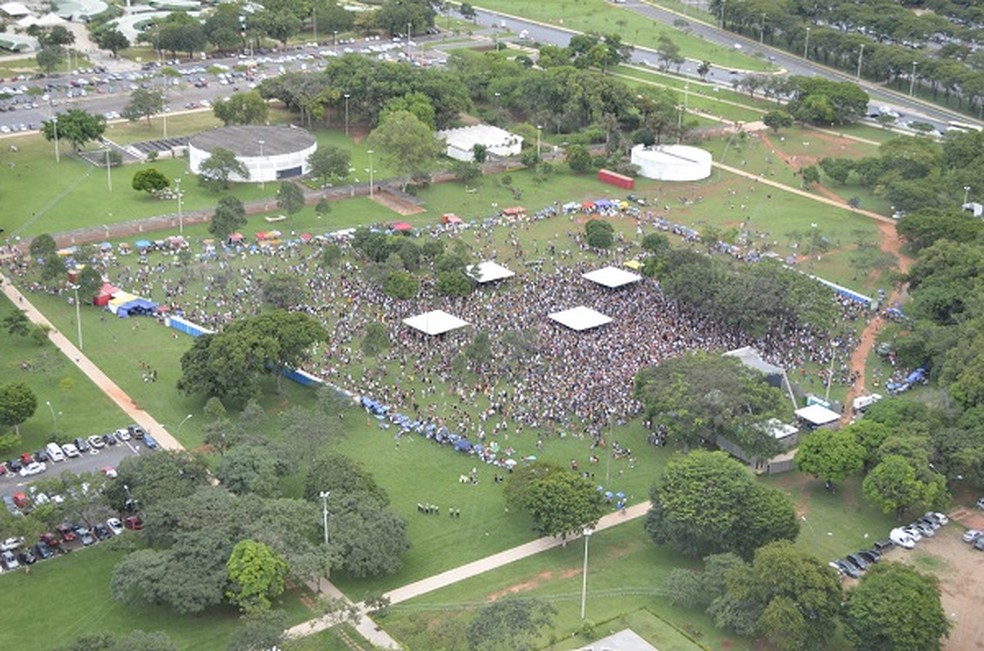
305 237
401 227
451 218
235 238
104 294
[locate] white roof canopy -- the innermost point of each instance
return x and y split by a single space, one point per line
487 272
612 277
435 323
14 9
817 415
580 318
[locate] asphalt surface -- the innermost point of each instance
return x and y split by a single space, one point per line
92 461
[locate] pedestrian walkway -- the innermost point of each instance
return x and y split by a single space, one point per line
101 380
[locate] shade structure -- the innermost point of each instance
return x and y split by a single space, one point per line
580 318
436 322
612 277
817 415
401 227
488 271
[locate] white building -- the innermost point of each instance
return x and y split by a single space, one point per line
460 143
269 153
672 162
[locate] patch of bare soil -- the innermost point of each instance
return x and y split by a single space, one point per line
396 204
525 586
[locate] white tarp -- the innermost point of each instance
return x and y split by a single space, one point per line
487 272
580 318
435 323
15 9
817 415
612 277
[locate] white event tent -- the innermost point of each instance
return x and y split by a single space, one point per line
817 415
487 272
612 277
580 318
436 322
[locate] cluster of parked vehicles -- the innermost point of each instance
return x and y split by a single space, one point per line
15 552
856 564
924 527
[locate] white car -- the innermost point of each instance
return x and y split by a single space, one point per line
96 441
971 535
10 544
123 435
901 538
33 468
70 450
115 526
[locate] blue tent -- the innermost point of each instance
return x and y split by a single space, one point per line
142 244
462 445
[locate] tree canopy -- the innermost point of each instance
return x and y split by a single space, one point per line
559 501
406 144
216 170
75 125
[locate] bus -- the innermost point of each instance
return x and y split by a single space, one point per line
963 126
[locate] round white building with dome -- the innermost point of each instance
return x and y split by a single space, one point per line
269 153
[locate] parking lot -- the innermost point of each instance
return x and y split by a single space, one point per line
91 461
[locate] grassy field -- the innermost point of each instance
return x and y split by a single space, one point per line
77 406
70 595
598 16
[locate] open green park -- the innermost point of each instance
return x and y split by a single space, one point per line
627 570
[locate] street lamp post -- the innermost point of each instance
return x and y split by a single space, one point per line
181 226
54 416
584 573
370 175
762 29
860 59
538 129
334 41
54 124
78 314
722 13
966 193
324 508
109 174
262 178
346 96
409 28
912 79
806 45
186 419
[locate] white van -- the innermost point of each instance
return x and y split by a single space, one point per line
55 452
902 538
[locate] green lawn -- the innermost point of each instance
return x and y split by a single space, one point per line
599 16
77 406
70 595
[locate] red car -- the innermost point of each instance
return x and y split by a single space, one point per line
133 522
50 540
66 533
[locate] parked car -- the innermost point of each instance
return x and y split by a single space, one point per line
81 444
115 526
96 441
979 544
50 539
870 556
33 468
66 533
133 522
26 557
101 531
940 518
913 533
70 450
41 456
971 535
150 441
9 560
902 538
109 471
8 501
15 465
847 569
857 561
55 453
109 439
10 544
123 435
135 430
882 546
44 552
86 537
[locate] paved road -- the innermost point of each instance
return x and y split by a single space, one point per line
87 462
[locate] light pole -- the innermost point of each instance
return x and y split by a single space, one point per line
370 175
54 416
806 45
966 193
346 96
164 109
679 123
181 225
78 314
860 59
912 79
186 419
334 41
409 28
262 178
54 124
584 573
830 373
324 509
722 13
762 30
109 175
538 128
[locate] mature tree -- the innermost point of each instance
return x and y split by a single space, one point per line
43 246
509 623
407 145
156 641
417 103
17 404
923 228
599 233
579 159
401 284
222 27
259 631
112 39
831 455
376 339
216 170
242 108
50 58
149 180
256 576
794 597
253 469
90 281
777 119
229 217
329 163
895 608
17 324
292 334
824 101
394 16
560 502
896 485
283 291
811 175
177 32
58 35
76 126
279 24
290 198
370 539
53 269
144 102
454 282
838 169
150 480
702 396
706 502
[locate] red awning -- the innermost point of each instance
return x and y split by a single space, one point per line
401 226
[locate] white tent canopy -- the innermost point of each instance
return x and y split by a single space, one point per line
612 277
487 272
15 9
817 415
436 322
580 318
